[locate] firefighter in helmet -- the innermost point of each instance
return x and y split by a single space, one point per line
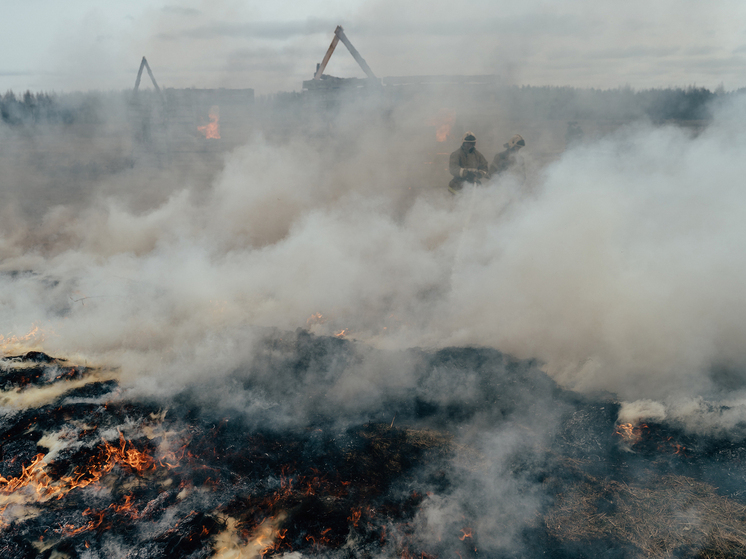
509 160
467 164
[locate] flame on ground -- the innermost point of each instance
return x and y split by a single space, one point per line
35 475
630 433
465 533
443 122
316 318
212 130
98 517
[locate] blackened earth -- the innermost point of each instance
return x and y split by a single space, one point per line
334 477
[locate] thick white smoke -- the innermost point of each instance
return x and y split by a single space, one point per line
619 268
623 272
616 266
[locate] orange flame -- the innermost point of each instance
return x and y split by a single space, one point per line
212 130
265 535
355 516
630 433
443 122
674 446
32 474
35 475
315 318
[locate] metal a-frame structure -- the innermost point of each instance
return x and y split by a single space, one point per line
144 64
339 35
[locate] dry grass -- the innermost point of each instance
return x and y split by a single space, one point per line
665 515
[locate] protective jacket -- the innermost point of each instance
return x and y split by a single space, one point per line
507 160
502 162
463 159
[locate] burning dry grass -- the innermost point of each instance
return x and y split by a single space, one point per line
185 483
663 517
105 474
45 487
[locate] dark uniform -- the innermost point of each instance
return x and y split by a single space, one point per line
466 166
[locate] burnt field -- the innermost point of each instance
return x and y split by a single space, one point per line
475 471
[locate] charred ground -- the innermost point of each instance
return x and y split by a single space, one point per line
92 472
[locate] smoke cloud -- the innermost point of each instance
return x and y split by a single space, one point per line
617 267
237 282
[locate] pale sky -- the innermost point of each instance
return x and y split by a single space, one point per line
85 44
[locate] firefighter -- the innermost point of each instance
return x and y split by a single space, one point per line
509 159
467 164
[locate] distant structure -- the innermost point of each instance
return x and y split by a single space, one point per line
322 81
144 64
170 117
395 88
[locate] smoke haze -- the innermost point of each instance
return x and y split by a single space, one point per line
616 266
193 43
323 275
319 274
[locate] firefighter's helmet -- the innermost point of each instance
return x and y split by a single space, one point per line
516 140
